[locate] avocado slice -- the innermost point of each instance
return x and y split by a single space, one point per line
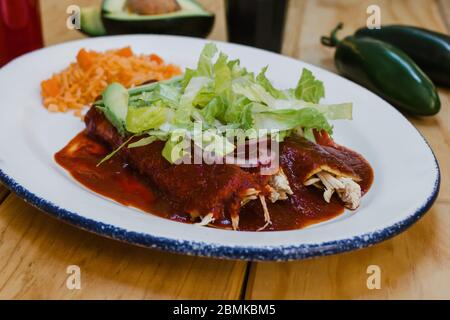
190 20
91 22
115 99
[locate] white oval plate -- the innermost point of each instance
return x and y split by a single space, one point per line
406 172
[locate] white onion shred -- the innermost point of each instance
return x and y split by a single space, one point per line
279 187
235 222
266 213
206 220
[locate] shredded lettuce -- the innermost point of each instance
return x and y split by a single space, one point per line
215 144
205 61
253 91
308 88
145 118
221 94
143 142
175 148
262 80
175 81
213 111
222 77
282 120
115 151
342 111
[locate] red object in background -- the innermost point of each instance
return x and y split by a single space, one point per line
20 28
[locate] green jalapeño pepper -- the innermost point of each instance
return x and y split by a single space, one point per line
385 70
429 49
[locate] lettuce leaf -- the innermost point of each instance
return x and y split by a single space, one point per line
222 78
281 120
175 148
213 111
205 64
252 91
145 118
142 142
215 144
342 111
169 95
175 81
308 88
262 80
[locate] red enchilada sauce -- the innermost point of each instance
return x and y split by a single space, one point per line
114 179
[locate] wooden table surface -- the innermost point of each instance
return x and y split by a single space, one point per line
35 249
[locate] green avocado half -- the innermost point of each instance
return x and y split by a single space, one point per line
191 20
91 22
114 18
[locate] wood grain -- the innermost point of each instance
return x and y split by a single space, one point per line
54 17
444 7
415 264
293 25
35 251
3 193
219 31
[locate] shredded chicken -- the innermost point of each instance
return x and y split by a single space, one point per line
206 220
351 195
279 187
266 213
347 189
235 222
249 195
314 181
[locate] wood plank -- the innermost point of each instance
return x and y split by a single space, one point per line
320 17
35 251
219 31
53 19
444 7
414 264
294 21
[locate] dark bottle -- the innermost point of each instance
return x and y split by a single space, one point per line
257 23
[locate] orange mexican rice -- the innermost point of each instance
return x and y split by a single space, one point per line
84 80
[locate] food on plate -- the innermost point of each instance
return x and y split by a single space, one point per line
267 160
179 17
429 49
385 70
83 81
204 190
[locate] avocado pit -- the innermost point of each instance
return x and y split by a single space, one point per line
152 7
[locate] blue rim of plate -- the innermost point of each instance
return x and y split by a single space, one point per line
268 253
